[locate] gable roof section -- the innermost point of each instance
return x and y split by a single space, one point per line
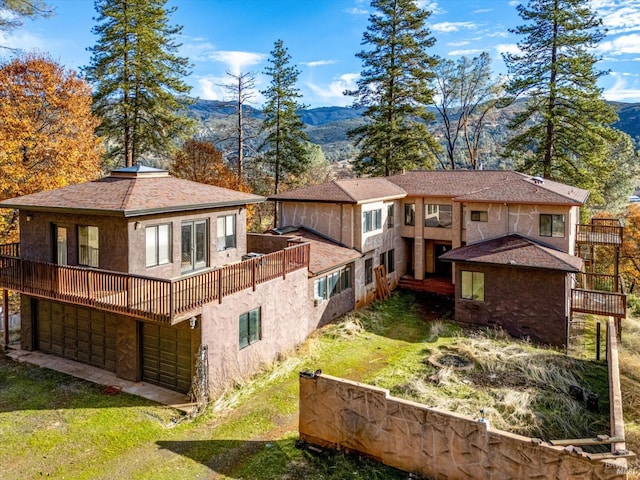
355 191
515 250
491 186
133 192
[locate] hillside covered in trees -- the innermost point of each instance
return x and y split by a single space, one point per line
328 126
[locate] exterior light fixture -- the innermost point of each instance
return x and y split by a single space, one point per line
193 322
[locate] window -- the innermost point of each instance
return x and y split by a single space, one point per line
472 286
390 216
391 259
371 220
409 213
320 288
250 327
383 259
551 225
88 246
158 244
479 216
194 245
333 283
464 217
368 271
226 232
59 242
437 216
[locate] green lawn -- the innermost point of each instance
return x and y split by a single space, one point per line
61 427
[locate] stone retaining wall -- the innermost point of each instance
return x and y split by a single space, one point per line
345 415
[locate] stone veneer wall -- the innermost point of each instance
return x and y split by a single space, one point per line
344 415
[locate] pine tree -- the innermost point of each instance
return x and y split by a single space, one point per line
394 88
564 129
285 145
137 77
15 11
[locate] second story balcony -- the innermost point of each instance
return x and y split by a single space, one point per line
601 231
159 300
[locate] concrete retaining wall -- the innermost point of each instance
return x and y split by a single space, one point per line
344 415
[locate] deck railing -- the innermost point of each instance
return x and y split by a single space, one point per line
599 294
154 299
601 231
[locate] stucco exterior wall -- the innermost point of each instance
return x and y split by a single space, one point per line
36 238
331 219
525 302
344 415
285 315
331 308
523 219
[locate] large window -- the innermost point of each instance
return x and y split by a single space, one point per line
368 271
158 244
226 232
371 220
194 245
437 216
88 246
551 225
472 285
249 327
332 284
409 213
390 216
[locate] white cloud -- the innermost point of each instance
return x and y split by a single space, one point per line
356 11
23 40
447 27
235 60
470 51
430 6
618 17
332 94
514 3
507 48
621 45
319 63
621 90
483 10
213 88
457 44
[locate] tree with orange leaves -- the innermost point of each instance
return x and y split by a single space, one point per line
47 139
200 161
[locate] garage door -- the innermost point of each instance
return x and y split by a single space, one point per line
80 334
167 356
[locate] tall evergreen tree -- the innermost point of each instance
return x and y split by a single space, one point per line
564 129
394 88
137 77
285 145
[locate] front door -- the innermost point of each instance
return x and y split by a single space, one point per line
194 245
443 269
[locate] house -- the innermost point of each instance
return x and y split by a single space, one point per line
140 273
497 240
156 279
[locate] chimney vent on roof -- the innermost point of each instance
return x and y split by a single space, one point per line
538 180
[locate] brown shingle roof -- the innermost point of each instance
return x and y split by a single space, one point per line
488 186
127 193
325 254
356 190
515 250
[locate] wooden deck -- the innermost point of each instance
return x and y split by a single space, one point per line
436 285
159 300
601 231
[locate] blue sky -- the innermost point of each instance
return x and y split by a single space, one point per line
323 36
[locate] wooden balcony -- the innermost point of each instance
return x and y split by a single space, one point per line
601 231
158 300
599 295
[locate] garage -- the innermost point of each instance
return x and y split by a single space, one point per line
167 355
88 336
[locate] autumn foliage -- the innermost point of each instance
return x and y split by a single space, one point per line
47 137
